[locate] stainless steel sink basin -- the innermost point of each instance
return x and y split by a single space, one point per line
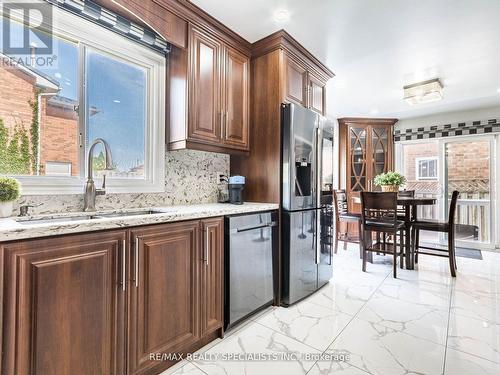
131 213
94 216
56 219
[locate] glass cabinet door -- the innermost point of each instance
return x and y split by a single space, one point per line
358 167
380 152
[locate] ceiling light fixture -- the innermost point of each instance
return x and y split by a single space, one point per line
498 90
281 15
423 92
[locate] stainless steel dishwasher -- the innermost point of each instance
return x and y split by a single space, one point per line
250 251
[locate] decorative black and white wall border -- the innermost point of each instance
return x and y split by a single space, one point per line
448 130
114 22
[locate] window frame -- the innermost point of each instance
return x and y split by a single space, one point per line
87 35
427 159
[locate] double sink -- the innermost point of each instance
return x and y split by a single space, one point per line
90 216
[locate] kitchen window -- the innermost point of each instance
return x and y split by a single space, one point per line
100 85
426 168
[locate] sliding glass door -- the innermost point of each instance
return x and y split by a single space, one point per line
435 168
468 168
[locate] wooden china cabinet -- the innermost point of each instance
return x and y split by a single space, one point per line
366 150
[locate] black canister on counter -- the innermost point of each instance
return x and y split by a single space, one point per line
236 186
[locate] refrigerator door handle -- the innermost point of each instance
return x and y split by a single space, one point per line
317 183
317 239
314 174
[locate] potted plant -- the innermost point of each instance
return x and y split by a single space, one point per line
390 181
9 192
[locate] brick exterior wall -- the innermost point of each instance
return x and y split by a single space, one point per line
58 129
469 160
16 90
59 138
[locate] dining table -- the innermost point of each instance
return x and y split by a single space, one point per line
410 205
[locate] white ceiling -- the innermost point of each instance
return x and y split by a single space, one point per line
375 47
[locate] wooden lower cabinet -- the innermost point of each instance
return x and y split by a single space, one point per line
63 305
111 302
163 309
212 276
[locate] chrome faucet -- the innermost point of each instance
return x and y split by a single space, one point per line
90 191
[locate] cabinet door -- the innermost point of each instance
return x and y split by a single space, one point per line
63 305
205 98
380 151
212 275
295 82
237 85
316 95
358 153
164 296
358 165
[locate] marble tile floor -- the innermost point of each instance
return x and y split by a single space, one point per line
423 322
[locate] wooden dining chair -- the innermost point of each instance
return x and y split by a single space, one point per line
438 226
402 209
379 214
342 215
404 194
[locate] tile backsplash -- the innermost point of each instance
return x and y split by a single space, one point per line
190 177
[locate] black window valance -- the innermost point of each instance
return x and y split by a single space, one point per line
114 22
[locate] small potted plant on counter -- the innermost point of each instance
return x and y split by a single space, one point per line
390 181
9 192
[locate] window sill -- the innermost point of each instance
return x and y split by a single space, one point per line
68 185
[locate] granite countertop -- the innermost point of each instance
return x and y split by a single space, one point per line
12 229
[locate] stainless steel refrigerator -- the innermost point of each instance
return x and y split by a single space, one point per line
307 180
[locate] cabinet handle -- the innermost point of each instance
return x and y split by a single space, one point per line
137 262
221 118
124 253
207 244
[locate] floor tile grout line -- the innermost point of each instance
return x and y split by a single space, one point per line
283 334
195 365
475 356
447 328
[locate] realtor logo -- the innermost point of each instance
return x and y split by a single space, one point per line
36 22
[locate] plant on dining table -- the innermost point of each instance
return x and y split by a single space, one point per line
390 181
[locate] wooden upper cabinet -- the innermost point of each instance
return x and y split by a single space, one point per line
212 275
217 85
302 86
281 71
316 99
63 305
205 114
237 91
295 82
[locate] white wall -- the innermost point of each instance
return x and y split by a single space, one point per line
450 118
